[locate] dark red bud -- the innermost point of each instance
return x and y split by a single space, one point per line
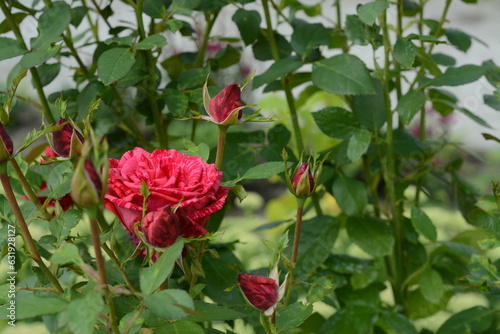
260 291
303 184
67 141
8 147
93 175
161 228
224 104
86 185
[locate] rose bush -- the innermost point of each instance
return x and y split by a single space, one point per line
172 179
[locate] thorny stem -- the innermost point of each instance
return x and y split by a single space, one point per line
293 113
29 191
93 27
338 9
389 172
160 129
372 186
199 258
117 264
284 80
200 57
431 47
206 37
25 232
34 73
289 96
103 227
94 230
397 67
101 14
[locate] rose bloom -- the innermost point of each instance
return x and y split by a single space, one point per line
172 179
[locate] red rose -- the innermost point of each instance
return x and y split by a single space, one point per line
171 178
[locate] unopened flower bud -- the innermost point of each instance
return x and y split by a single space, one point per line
161 228
260 291
225 107
67 142
303 181
6 146
86 185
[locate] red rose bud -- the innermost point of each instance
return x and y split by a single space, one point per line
6 147
161 228
67 142
86 186
260 291
224 107
303 181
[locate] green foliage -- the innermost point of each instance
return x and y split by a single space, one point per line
343 74
152 277
82 314
364 97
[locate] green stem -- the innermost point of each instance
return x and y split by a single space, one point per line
25 232
101 269
160 129
298 227
372 184
431 47
101 14
104 228
117 264
272 322
439 28
34 73
397 67
317 206
29 191
295 249
206 37
284 80
338 10
90 21
199 258
270 33
293 113
220 146
389 172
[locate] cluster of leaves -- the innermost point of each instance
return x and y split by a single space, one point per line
377 171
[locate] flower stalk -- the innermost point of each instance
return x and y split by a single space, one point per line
221 143
101 269
295 249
